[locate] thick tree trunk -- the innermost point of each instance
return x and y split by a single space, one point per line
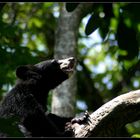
108 120
63 100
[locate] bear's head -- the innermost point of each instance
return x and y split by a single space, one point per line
48 74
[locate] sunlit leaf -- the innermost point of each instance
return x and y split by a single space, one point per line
93 23
136 136
36 22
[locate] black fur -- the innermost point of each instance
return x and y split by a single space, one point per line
28 99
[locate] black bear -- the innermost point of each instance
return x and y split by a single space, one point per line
28 98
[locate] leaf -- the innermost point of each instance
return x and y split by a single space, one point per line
104 28
71 6
127 40
9 127
132 11
136 136
93 23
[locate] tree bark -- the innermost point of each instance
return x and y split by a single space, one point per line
63 99
108 120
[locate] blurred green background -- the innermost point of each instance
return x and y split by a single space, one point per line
108 48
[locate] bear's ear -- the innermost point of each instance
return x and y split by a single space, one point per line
28 72
21 72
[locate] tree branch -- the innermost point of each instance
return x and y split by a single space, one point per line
108 120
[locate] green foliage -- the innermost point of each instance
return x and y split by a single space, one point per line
100 19
112 63
106 68
129 42
26 37
136 136
133 129
6 125
20 43
93 23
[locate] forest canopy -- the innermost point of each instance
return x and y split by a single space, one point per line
108 60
